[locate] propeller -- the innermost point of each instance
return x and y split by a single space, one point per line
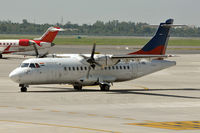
91 60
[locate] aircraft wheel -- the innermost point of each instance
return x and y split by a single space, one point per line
78 87
1 56
23 89
105 87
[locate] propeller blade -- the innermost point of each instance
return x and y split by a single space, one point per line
91 60
85 57
88 72
98 64
93 51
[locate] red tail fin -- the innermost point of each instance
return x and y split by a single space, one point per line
49 35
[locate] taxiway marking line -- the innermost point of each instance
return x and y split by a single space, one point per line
129 119
73 113
175 125
20 107
143 87
110 117
92 114
149 121
56 125
4 106
55 111
38 109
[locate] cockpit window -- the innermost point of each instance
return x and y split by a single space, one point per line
32 65
24 64
37 65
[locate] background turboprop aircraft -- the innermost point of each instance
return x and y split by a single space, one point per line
84 70
22 45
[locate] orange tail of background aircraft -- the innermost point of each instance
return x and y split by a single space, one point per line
49 35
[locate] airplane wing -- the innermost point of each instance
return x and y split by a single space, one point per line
24 53
31 53
5 49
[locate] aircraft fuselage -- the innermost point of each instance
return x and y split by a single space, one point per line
73 71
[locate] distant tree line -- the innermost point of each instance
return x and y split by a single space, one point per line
111 28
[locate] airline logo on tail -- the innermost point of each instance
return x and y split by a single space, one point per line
49 35
158 44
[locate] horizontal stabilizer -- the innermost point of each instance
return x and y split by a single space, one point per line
138 56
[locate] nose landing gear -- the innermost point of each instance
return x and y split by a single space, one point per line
23 87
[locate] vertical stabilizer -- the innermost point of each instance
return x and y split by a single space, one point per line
49 35
158 44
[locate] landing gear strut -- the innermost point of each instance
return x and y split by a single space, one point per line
105 87
23 88
78 87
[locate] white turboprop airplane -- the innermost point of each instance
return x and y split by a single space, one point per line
96 69
22 45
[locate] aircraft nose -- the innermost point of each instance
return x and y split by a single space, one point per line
14 76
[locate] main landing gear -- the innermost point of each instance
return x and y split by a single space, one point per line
78 87
1 56
23 87
104 87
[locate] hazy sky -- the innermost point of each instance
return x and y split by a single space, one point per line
88 11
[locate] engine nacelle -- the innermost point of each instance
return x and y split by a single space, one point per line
106 60
41 44
24 42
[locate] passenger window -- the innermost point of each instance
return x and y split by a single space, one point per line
116 67
73 68
109 68
85 68
77 68
113 67
69 68
128 67
124 67
65 68
105 68
120 67
32 65
81 68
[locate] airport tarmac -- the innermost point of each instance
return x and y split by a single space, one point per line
163 102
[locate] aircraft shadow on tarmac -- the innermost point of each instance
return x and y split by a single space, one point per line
149 92
123 91
13 58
